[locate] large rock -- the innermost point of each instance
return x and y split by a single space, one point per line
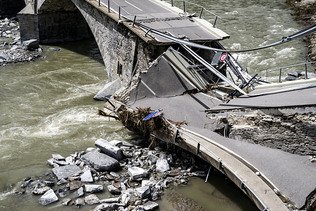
109 149
66 171
100 161
136 172
48 198
162 165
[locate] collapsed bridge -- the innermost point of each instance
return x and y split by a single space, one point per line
148 70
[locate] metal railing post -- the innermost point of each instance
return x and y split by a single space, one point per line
280 75
119 13
109 6
35 6
134 21
201 12
214 25
184 9
305 70
99 3
172 3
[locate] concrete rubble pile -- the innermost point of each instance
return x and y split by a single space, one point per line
12 50
117 175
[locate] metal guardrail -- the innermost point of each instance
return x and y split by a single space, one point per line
244 186
172 2
306 65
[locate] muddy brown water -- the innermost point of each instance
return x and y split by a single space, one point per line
47 107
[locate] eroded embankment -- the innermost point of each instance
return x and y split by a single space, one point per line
291 130
305 13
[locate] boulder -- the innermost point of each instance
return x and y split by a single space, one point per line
48 198
162 165
92 199
86 176
143 191
100 161
150 205
109 149
137 172
31 44
93 188
63 172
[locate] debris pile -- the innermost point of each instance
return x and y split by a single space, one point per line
12 50
117 175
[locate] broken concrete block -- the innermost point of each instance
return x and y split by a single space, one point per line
91 199
63 172
150 205
113 190
93 188
31 44
100 161
143 191
86 176
137 172
162 165
48 198
109 149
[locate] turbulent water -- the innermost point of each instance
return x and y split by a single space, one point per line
47 107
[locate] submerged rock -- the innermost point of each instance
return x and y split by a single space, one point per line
100 161
48 198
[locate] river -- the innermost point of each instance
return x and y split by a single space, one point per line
47 107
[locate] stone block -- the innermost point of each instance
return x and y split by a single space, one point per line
137 172
109 149
63 172
100 161
48 198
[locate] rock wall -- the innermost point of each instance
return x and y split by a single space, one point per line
9 8
122 51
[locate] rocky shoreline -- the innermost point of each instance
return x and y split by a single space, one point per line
305 13
132 177
12 50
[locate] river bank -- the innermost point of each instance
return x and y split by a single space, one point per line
305 13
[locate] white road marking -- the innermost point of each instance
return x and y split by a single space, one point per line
133 6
